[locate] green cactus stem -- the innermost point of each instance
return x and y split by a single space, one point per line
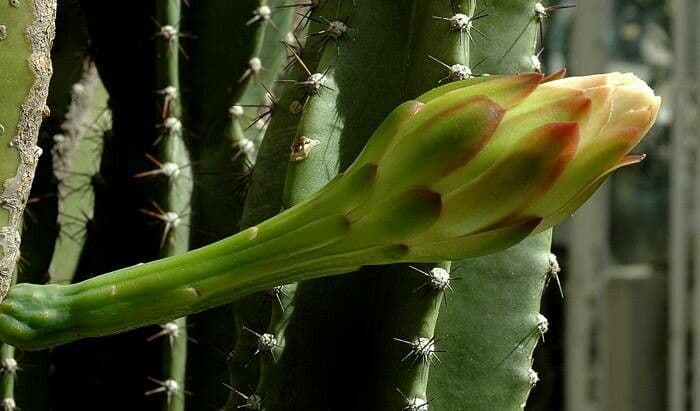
492 319
493 350
27 32
75 154
268 312
173 179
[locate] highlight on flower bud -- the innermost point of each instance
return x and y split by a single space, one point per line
482 163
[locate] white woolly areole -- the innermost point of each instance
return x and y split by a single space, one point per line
236 111
542 324
336 29
171 385
170 92
540 10
536 63
172 218
267 342
554 267
264 12
255 64
460 22
172 124
171 170
315 82
460 72
275 291
168 31
532 376
254 402
9 365
9 404
416 404
439 278
246 145
171 328
424 347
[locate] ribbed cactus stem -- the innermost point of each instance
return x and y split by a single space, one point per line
264 200
26 69
253 103
441 37
76 155
26 35
175 180
493 318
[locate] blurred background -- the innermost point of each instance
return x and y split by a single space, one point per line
626 336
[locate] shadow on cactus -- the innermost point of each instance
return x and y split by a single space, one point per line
465 170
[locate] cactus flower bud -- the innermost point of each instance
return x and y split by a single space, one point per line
482 163
467 169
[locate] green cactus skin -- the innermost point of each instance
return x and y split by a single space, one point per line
488 361
28 29
492 317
